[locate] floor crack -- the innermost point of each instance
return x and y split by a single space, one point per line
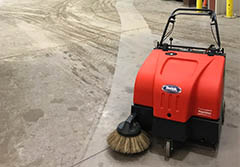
89 157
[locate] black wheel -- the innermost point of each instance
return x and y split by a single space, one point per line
168 149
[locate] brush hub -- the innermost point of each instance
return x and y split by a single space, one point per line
129 129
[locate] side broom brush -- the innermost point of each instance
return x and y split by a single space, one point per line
129 138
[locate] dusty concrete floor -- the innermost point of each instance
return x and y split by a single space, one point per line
56 64
58 96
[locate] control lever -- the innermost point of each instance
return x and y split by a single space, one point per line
171 39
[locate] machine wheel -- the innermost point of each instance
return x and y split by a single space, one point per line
168 149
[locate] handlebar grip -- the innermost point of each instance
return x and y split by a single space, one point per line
192 9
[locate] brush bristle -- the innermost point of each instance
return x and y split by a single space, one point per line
128 145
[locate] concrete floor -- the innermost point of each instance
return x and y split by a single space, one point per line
67 70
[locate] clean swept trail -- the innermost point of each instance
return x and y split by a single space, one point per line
136 42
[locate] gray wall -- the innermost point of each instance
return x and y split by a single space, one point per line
237 6
221 6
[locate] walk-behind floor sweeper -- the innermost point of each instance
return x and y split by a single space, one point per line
178 94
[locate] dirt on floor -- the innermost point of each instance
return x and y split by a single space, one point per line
57 60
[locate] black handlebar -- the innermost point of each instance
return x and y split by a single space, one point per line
192 9
205 12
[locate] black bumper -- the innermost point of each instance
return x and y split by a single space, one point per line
197 129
